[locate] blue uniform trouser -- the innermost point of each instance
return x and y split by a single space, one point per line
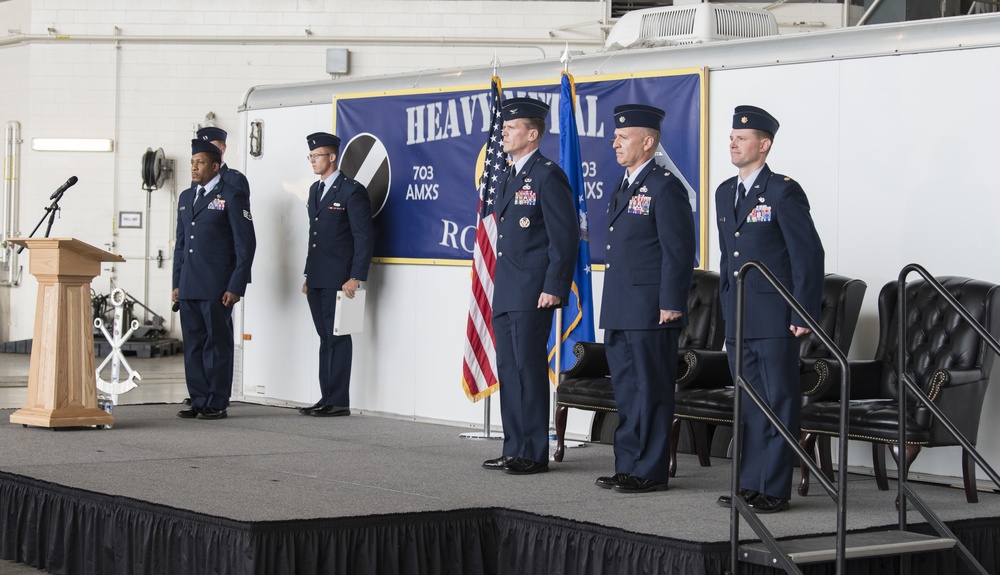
335 351
522 362
207 326
771 367
643 366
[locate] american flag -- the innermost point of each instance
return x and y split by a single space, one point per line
480 362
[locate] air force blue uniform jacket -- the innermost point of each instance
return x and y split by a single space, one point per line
650 252
341 234
538 234
234 178
215 243
649 264
771 224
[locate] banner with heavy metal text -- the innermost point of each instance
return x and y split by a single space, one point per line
418 152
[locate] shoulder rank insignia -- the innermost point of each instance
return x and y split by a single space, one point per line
787 178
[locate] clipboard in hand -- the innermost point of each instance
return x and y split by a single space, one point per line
349 315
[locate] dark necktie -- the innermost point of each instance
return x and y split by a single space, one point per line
320 192
511 173
198 195
741 193
620 194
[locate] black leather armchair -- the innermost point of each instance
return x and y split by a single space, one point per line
587 385
944 356
708 402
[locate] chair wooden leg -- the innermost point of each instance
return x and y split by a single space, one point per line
826 456
911 453
878 464
675 431
702 444
808 443
969 474
561 414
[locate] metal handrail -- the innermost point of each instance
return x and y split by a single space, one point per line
839 493
908 384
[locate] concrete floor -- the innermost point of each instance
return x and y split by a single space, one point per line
162 382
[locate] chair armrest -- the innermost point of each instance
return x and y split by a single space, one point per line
703 369
591 361
866 379
813 376
944 379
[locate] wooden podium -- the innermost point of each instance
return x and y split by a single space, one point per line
62 383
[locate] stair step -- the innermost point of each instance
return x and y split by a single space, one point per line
868 544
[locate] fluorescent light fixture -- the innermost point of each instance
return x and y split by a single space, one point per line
72 144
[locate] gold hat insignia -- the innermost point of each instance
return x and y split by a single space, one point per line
744 120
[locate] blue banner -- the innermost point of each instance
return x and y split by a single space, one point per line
432 143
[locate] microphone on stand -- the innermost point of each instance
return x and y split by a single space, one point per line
69 183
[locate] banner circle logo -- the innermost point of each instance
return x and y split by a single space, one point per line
365 159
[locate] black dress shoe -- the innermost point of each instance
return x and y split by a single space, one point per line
520 466
189 413
609 482
633 484
308 410
329 411
498 463
746 494
212 413
767 504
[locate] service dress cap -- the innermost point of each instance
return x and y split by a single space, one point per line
322 139
638 116
198 146
515 108
754 118
211 134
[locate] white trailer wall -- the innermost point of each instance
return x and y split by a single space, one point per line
887 128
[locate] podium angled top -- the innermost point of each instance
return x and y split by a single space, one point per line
72 244
55 258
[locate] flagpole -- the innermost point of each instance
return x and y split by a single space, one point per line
487 432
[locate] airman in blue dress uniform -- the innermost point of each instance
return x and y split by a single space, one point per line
537 239
213 253
341 244
765 216
649 265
